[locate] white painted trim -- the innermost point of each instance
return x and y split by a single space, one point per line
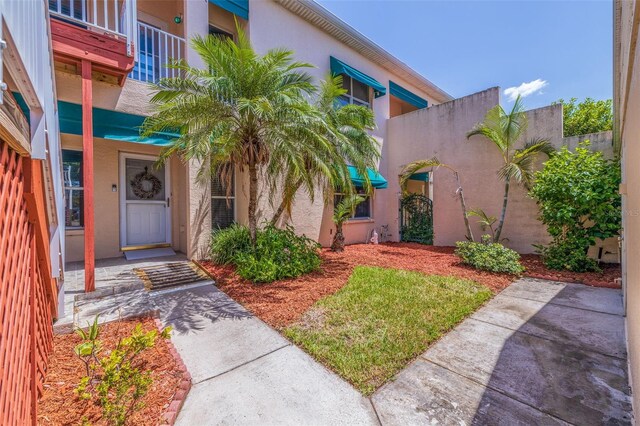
123 195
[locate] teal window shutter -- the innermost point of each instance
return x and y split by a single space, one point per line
339 67
402 93
237 7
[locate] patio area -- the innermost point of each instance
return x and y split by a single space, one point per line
113 276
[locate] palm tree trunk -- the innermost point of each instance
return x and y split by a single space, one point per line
338 239
496 239
281 207
464 209
253 202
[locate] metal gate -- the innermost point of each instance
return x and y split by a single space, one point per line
416 219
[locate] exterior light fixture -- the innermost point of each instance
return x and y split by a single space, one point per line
178 19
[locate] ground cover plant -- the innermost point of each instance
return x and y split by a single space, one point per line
61 404
577 193
488 256
277 253
381 319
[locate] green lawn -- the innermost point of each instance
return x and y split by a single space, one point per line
382 319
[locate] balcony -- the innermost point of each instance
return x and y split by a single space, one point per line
113 17
156 50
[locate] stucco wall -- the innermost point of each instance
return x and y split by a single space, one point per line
627 111
107 203
441 131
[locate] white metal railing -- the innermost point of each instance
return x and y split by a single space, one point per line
114 16
156 49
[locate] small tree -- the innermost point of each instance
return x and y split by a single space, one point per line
505 130
588 116
577 193
341 213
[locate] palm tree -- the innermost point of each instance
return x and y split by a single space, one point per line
505 130
341 213
242 110
348 133
434 163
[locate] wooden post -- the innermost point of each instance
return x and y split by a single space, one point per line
87 178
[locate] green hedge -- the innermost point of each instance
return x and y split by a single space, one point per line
493 257
278 253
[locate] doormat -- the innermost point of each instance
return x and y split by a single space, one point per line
170 274
149 253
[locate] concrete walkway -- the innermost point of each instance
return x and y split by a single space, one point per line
539 353
243 371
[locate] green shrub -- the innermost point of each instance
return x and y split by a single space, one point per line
565 255
577 193
487 256
278 253
227 243
116 380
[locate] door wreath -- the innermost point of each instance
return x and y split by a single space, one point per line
145 185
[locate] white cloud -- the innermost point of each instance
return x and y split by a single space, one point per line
525 89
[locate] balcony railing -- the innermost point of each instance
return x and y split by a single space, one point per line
156 49
117 17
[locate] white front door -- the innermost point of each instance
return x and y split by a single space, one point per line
144 202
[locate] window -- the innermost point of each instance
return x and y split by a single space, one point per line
219 33
73 190
357 93
223 212
363 210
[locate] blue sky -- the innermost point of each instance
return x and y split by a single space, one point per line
559 49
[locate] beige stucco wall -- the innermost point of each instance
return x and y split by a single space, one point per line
441 131
627 129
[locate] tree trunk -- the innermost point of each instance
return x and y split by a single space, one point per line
338 239
464 209
496 239
278 214
253 202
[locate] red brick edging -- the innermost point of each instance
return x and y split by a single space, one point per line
184 386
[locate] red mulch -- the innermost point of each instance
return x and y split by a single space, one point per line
60 406
606 278
282 302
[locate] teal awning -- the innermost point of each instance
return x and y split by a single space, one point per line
107 124
237 7
402 93
422 177
377 180
339 67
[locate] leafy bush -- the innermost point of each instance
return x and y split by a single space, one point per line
116 379
564 255
577 193
227 243
488 256
278 253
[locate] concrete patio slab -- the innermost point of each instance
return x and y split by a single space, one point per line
425 393
521 350
565 294
599 332
285 387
